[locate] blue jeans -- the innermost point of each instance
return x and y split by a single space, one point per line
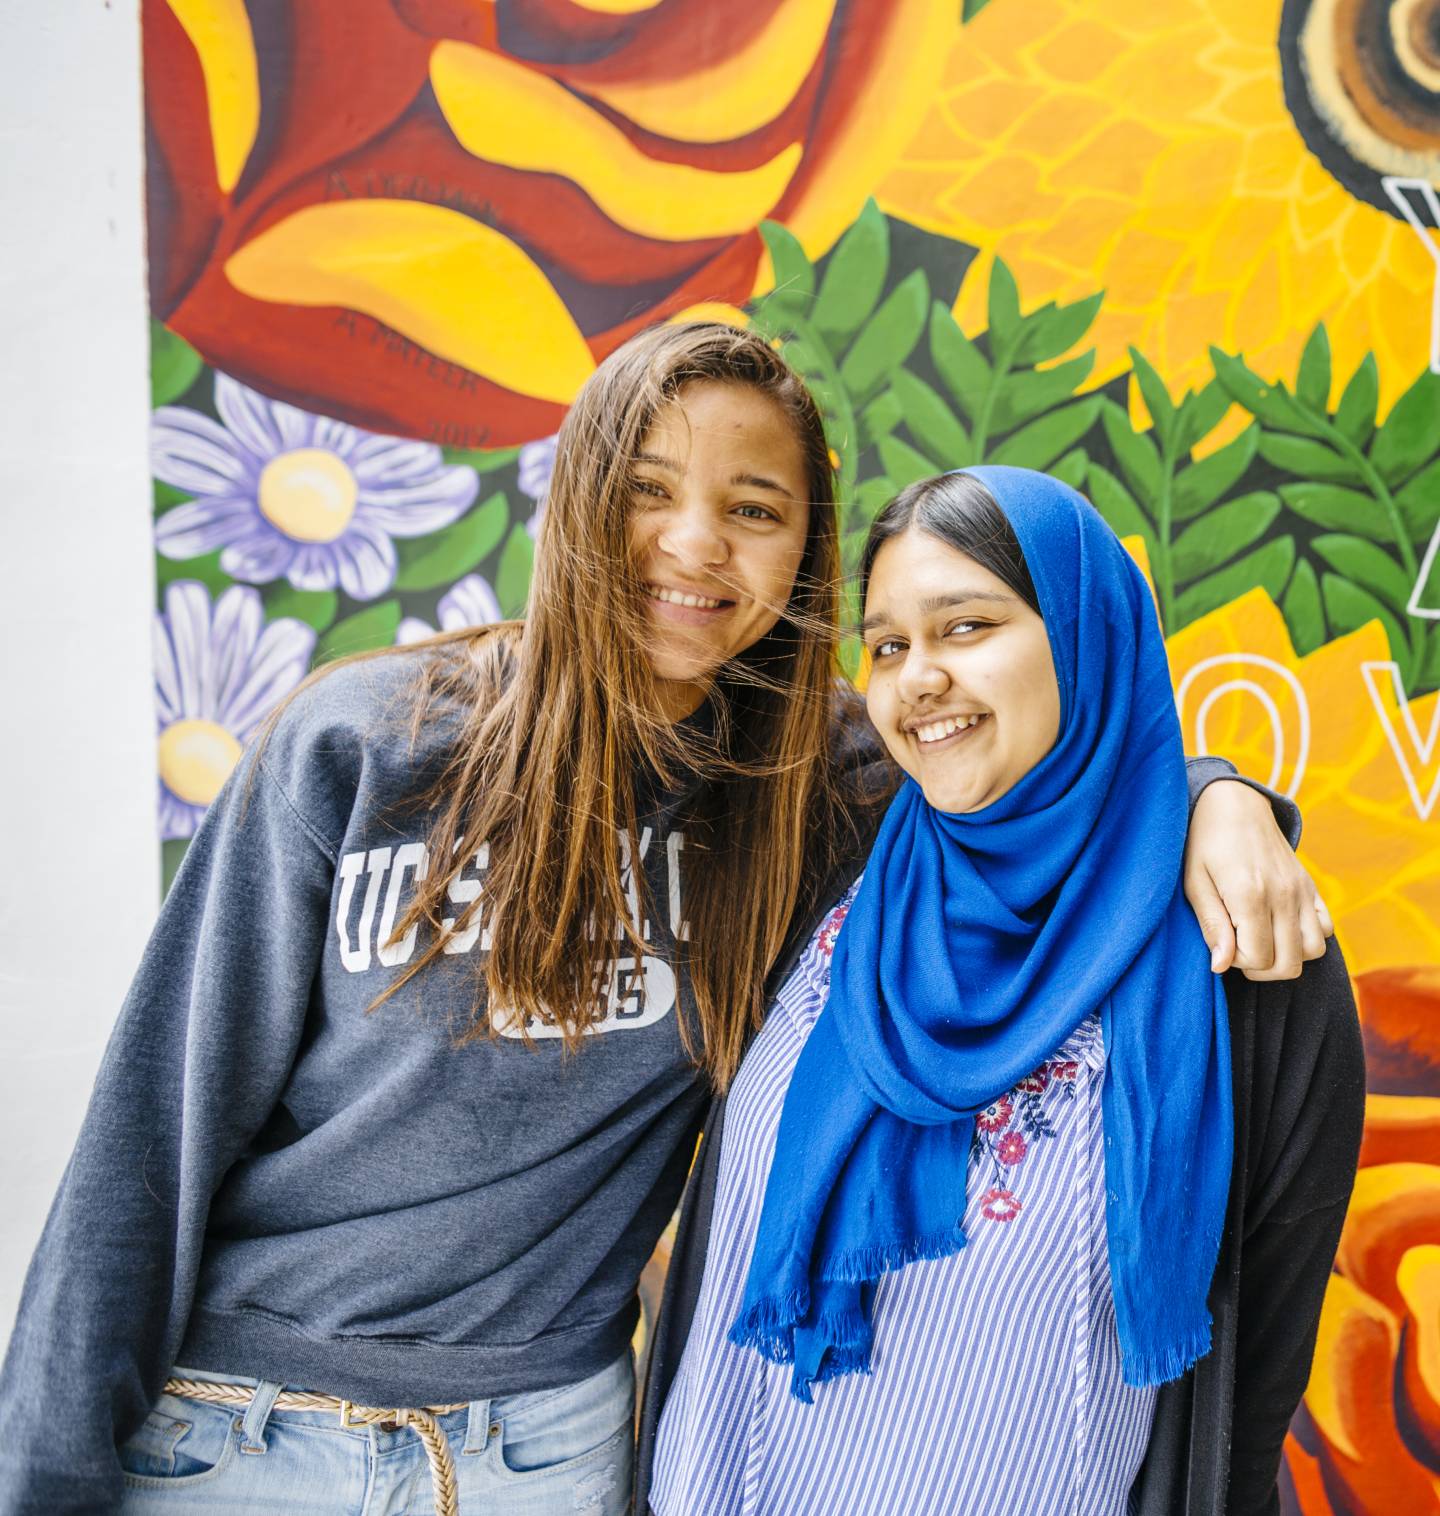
539 1454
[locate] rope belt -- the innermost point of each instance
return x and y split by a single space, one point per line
420 1419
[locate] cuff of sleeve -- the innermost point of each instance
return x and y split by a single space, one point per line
1203 772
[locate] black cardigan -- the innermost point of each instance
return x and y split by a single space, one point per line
1299 1082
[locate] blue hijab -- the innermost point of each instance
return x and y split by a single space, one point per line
975 945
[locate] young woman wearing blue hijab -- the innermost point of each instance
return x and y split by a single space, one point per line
1018 1208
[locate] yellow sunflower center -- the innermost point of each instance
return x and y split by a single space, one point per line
196 758
308 494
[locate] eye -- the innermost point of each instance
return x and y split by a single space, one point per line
752 512
649 488
962 628
887 647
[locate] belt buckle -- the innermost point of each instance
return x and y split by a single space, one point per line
347 1409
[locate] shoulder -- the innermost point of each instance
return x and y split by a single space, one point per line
374 732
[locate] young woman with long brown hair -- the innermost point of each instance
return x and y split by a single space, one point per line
409 1079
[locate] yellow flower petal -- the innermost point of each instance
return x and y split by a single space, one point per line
459 289
219 31
737 95
506 113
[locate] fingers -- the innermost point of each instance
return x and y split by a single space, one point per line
1315 927
1215 924
1254 930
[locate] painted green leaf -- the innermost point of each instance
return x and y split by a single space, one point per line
902 463
972 8
484 460
1203 483
1303 613
1041 442
1072 468
1355 417
1365 563
930 421
1336 508
1200 414
1312 383
1026 393
1003 308
373 627
1225 531
1411 432
854 277
167 497
1116 504
174 365
1272 403
1350 606
1137 455
512 580
957 360
1055 329
205 570
887 339
172 855
1419 502
1305 458
806 359
1268 567
880 417
1156 396
447 555
794 273
873 494
314 607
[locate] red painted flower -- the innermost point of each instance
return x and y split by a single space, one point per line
995 1118
1034 1084
1064 1071
999 1205
1011 1148
432 217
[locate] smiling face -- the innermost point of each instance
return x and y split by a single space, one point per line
718 531
962 686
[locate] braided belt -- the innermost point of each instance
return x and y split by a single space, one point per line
420 1419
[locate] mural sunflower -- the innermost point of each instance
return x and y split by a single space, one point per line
1198 160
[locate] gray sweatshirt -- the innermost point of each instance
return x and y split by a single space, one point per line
273 1180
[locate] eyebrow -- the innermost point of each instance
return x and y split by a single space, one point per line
932 603
753 481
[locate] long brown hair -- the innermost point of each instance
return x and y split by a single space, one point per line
558 715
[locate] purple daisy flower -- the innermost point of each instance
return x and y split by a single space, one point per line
219 670
469 602
288 494
536 465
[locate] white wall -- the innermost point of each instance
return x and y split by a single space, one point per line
80 883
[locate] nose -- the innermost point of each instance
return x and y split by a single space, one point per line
690 537
921 676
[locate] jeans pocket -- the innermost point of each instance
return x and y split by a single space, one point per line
179 1443
554 1431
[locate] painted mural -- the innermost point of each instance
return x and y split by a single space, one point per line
1185 255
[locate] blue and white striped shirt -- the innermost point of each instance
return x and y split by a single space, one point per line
995 1387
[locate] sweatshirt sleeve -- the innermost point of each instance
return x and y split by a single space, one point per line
197 1060
1202 772
1307 1107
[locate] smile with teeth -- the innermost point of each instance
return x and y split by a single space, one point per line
937 731
680 597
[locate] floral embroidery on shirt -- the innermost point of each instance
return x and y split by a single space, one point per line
1005 1132
830 929
999 1205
